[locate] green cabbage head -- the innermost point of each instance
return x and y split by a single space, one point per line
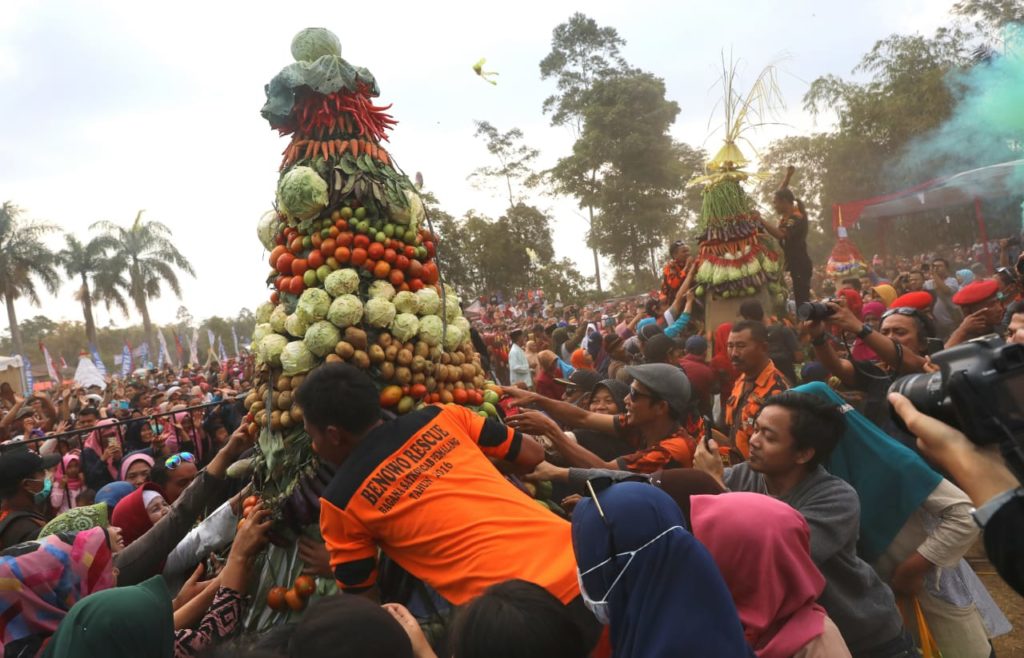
405 327
302 193
345 311
379 312
313 305
296 358
321 338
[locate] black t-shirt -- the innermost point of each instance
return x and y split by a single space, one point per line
794 246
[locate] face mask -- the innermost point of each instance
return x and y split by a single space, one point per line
43 494
601 608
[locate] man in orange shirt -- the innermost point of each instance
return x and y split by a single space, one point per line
748 351
422 489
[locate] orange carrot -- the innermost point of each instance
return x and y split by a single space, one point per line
323 149
330 147
384 156
341 146
353 146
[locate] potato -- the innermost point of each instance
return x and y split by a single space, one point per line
419 364
275 420
250 400
404 357
297 381
468 372
418 378
284 383
357 337
384 339
296 414
274 399
422 349
333 358
387 371
402 375
376 353
284 402
361 359
391 353
344 350
257 407
431 384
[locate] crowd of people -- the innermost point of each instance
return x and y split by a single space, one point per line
749 488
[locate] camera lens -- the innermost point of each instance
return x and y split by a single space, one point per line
813 311
928 394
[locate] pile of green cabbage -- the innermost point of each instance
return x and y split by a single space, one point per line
302 193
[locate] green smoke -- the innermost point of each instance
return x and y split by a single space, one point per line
987 124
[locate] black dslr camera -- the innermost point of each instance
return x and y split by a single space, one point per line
815 311
979 390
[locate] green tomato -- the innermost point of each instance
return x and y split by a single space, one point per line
323 271
307 242
381 236
361 213
310 278
332 263
483 414
364 226
409 237
346 212
389 230
327 223
325 233
421 253
490 397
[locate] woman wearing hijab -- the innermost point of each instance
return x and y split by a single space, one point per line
871 312
68 482
656 586
44 579
722 364
137 620
607 397
885 293
135 468
139 511
101 455
77 520
762 547
963 277
915 529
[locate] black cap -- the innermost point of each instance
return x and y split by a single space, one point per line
20 463
583 379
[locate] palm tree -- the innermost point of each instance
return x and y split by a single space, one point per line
101 280
143 258
23 259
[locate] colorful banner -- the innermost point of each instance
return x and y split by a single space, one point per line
234 337
97 360
144 355
26 371
178 347
193 349
223 354
51 369
212 339
126 360
165 355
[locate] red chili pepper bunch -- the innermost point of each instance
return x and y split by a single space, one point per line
317 114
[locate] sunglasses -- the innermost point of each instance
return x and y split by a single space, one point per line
902 310
174 461
634 394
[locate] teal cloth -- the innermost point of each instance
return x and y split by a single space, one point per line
891 480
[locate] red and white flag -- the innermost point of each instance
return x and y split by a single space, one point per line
50 368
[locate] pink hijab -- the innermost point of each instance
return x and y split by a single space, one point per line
93 443
170 433
127 462
762 547
73 456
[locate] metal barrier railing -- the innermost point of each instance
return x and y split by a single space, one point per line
118 425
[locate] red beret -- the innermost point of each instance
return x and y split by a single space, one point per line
920 300
976 291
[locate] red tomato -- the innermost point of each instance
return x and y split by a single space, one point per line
284 263
276 253
275 297
316 239
275 598
415 284
417 391
345 239
430 247
362 240
316 259
358 256
402 263
430 273
342 254
295 246
283 283
279 239
382 269
375 251
390 255
397 277
404 287
296 285
341 224
334 232
410 252
299 266
305 586
460 396
415 269
291 234
328 246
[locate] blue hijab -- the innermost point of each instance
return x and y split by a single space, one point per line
891 480
671 601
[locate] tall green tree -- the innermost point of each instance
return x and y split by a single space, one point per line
582 53
515 160
640 176
24 261
147 259
100 280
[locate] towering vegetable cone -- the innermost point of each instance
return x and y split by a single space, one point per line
845 259
354 280
736 259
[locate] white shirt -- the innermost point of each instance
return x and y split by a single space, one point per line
518 366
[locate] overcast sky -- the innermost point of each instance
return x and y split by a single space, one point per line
113 106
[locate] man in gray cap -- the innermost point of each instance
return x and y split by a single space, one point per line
24 490
659 422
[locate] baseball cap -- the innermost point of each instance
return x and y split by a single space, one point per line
583 379
697 345
657 347
666 381
20 463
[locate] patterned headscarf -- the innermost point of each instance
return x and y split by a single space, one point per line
44 579
78 519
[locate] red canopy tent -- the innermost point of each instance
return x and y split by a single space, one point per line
994 181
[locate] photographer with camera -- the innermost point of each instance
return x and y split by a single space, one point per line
900 343
981 472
